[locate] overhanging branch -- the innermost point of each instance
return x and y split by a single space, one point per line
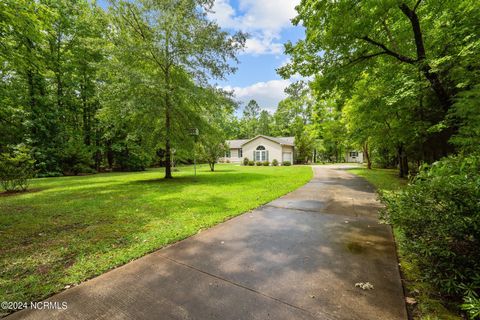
389 51
365 57
416 5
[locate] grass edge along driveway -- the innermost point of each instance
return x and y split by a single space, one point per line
428 305
70 229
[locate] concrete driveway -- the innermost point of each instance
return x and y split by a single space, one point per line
298 257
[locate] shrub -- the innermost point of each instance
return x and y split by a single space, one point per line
251 163
471 304
266 163
286 163
132 158
439 213
16 168
76 158
245 161
274 162
258 163
228 160
49 174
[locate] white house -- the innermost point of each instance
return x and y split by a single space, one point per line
354 156
261 148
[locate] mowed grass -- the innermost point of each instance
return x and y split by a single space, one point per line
429 306
382 179
70 229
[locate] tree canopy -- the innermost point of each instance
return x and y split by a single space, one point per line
87 89
400 73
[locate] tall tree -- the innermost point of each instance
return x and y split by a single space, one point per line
251 110
295 111
175 42
264 123
249 121
423 46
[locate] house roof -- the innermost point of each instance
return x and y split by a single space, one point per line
236 144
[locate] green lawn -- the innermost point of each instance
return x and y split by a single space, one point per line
70 229
429 306
382 179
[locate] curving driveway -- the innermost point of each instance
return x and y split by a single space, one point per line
298 257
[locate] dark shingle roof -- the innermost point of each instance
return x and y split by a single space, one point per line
236 144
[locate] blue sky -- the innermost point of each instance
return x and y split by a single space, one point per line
268 24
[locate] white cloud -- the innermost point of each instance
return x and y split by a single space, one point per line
262 45
267 94
262 19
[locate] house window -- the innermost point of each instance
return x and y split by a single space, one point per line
240 153
260 154
353 154
227 154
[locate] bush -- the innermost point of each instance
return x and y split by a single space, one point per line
266 163
228 160
259 163
274 162
286 163
49 174
471 304
16 168
245 161
131 158
439 213
76 158
251 163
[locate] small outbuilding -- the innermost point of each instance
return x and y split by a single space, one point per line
354 156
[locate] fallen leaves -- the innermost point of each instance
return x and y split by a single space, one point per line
410 300
364 285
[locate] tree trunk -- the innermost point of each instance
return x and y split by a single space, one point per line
168 129
440 91
58 73
168 151
109 154
402 161
31 90
98 153
367 155
337 156
212 166
87 134
406 170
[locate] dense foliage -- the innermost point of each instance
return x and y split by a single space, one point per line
88 89
16 168
439 213
399 78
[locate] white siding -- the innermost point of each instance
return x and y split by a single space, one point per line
287 149
274 149
233 157
358 159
